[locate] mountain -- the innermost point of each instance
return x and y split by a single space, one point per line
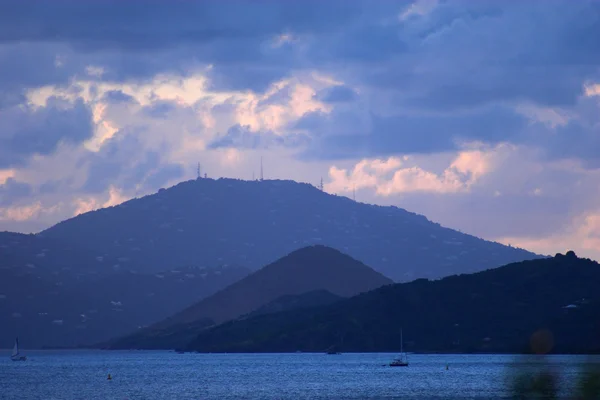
56 293
522 307
250 223
289 302
304 270
52 259
67 312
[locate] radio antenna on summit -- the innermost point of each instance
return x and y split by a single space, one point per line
199 176
321 185
261 169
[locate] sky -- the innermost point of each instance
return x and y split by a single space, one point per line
482 115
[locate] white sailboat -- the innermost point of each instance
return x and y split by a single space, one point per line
16 356
402 360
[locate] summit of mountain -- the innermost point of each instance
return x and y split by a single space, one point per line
250 223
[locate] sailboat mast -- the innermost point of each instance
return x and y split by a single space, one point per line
401 342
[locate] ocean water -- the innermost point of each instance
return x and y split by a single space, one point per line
49 375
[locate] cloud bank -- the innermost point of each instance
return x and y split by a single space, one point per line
484 116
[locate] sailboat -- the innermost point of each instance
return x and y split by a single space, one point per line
16 356
402 360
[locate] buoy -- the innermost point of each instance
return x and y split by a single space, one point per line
109 377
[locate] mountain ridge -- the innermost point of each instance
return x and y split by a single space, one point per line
251 223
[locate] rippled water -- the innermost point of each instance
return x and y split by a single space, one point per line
166 375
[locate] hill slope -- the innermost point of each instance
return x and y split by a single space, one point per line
492 311
56 294
305 270
288 302
52 259
250 223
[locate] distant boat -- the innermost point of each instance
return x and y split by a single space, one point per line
402 360
16 356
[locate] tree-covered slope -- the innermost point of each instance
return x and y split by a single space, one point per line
225 221
496 310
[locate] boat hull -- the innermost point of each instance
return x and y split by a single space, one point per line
20 358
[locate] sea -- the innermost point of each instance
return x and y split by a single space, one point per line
82 374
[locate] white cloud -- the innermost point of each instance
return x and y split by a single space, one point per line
582 235
391 176
419 7
90 203
5 174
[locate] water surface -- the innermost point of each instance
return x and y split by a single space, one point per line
49 375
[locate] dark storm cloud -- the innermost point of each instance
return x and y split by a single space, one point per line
469 53
137 39
25 65
410 134
141 24
12 190
464 57
463 53
241 137
26 131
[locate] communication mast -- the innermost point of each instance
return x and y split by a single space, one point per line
199 175
321 185
261 169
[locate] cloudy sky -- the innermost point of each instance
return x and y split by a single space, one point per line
482 115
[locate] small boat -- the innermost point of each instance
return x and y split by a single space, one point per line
402 360
16 356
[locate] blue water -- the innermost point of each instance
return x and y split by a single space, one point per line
49 375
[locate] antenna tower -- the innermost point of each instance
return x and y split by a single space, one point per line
261 169
321 184
199 176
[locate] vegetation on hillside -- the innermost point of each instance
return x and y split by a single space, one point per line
492 311
305 270
56 294
226 221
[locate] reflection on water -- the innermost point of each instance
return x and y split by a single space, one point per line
166 375
543 377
